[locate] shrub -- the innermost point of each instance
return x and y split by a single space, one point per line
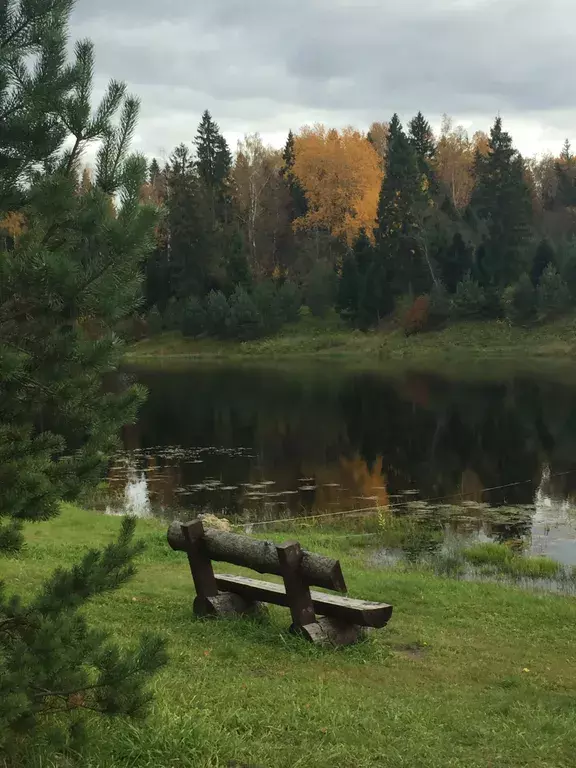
568 270
173 315
244 321
439 310
217 314
519 301
553 296
194 320
155 322
321 289
290 301
417 317
265 297
469 299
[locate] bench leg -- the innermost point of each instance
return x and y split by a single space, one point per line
297 590
209 601
227 604
331 632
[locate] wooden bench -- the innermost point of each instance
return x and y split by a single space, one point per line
341 621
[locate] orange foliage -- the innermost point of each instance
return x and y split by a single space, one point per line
416 319
13 224
341 175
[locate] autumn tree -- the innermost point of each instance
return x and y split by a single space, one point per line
259 200
378 137
341 176
454 163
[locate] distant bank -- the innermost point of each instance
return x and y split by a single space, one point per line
483 342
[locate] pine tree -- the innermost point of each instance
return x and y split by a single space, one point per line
502 200
422 140
68 273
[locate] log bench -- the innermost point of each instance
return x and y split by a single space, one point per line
320 617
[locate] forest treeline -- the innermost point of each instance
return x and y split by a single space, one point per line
393 221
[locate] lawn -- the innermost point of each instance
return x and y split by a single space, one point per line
465 675
313 339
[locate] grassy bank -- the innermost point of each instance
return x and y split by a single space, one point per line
466 675
316 340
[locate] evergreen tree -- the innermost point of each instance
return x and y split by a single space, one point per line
298 205
188 255
289 301
403 199
213 164
154 171
566 178
519 301
245 321
501 198
321 288
553 295
193 317
422 140
69 272
544 256
469 299
351 283
265 297
217 314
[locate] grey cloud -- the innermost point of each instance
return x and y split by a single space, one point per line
256 62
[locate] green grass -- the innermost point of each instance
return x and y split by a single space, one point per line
502 560
313 339
466 675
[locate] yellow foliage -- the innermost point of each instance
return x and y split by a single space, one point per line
341 174
13 224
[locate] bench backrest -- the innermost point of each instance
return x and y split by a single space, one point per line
261 556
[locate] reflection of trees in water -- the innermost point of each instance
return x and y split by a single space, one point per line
500 433
366 432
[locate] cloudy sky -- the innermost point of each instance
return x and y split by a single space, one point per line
272 65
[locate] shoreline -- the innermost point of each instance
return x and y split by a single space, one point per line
480 348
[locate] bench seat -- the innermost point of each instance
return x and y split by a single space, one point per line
363 613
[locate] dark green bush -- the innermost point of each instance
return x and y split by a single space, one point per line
217 314
244 321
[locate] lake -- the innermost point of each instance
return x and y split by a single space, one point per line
476 459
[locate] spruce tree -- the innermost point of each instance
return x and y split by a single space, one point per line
298 205
188 255
403 199
352 278
566 178
422 140
502 201
69 271
213 164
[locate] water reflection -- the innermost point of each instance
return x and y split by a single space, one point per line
269 443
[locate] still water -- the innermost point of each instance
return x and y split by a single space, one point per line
488 460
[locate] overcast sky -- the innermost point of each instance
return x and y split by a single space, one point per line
275 65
